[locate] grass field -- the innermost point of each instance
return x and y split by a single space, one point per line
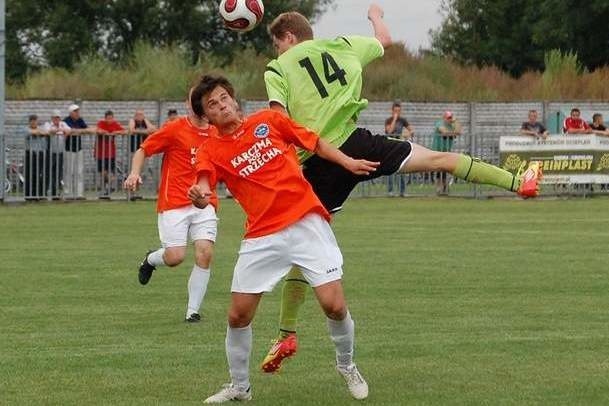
455 302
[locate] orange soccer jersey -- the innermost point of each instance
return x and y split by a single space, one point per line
259 165
179 141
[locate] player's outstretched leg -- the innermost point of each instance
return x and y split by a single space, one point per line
292 298
474 170
238 348
342 332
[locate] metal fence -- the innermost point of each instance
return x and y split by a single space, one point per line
98 170
48 171
52 173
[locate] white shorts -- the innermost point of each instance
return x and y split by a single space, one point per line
309 244
178 225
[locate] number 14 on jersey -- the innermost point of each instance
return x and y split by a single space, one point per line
332 73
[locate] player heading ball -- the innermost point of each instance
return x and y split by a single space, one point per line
286 224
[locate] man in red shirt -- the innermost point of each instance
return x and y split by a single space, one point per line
178 219
286 224
105 151
575 125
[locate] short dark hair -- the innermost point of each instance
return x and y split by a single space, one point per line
575 110
172 111
396 103
293 22
32 117
206 85
595 116
108 113
532 111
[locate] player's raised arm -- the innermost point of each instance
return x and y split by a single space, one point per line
381 31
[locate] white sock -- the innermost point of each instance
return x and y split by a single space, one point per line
238 348
156 258
197 286
342 333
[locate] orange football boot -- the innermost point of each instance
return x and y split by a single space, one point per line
282 348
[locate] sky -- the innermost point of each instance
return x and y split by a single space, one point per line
409 20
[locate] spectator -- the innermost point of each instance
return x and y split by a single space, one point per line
397 127
172 114
58 131
444 136
575 124
532 127
598 125
74 180
36 145
105 152
139 129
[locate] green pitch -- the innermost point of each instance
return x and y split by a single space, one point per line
455 302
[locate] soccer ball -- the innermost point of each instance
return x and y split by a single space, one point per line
241 15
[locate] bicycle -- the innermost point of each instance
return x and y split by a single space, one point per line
14 177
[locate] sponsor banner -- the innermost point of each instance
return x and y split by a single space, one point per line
565 159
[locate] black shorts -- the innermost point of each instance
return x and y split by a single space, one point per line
332 183
106 164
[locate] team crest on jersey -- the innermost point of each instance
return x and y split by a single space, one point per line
262 131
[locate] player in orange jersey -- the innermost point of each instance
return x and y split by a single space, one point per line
178 219
286 224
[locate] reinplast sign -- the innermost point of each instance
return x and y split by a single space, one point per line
564 158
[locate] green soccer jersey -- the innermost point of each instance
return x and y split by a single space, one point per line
319 82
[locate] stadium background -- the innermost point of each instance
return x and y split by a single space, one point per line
457 301
483 124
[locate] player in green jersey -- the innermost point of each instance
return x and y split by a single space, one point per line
318 83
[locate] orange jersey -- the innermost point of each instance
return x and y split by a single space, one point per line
179 141
259 165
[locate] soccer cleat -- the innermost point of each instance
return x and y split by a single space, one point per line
193 318
529 184
229 393
145 271
282 348
355 382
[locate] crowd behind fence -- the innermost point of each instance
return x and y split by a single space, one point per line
47 174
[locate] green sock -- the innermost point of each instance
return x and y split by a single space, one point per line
292 297
475 171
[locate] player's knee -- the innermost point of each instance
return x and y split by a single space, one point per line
335 310
239 318
203 256
173 258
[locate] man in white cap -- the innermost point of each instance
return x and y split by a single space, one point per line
58 131
74 184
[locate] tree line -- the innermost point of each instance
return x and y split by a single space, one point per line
513 35
516 35
59 33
